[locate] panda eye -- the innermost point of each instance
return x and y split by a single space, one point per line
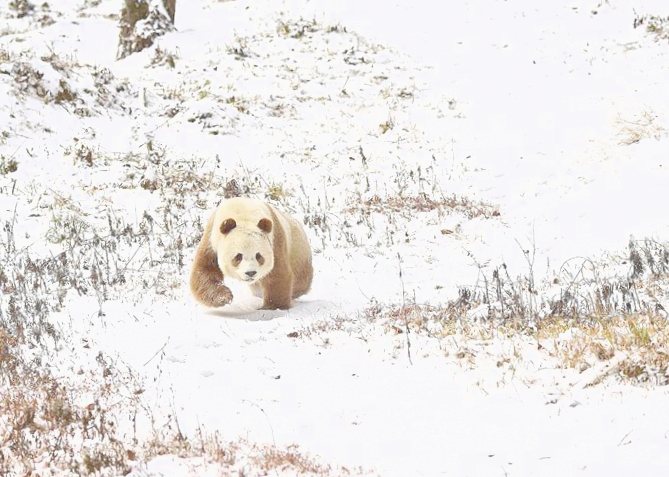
237 260
260 258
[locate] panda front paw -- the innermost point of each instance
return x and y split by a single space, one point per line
273 305
217 296
223 296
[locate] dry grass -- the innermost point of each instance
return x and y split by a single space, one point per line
140 25
432 320
162 57
655 25
232 457
41 421
640 344
301 28
276 192
632 348
291 459
618 322
21 8
240 104
461 317
644 126
8 165
424 203
240 49
106 94
386 126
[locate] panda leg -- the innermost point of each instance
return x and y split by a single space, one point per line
206 279
277 291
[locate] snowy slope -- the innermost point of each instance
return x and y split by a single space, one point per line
422 145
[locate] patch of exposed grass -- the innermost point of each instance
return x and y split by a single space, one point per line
7 165
240 104
644 126
461 316
21 8
618 322
424 203
632 348
655 25
302 28
291 459
435 321
141 24
239 49
640 342
28 79
61 63
297 29
64 93
164 57
276 192
42 421
387 125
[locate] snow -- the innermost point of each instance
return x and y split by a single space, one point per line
531 108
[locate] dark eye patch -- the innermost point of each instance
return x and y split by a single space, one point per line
237 260
260 258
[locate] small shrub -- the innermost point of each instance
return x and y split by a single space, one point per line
276 192
22 8
238 103
386 126
239 49
655 25
64 94
297 29
142 21
28 79
644 126
8 165
164 57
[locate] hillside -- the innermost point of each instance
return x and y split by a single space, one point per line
484 187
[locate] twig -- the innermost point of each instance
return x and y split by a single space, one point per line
156 353
404 311
269 423
622 441
530 263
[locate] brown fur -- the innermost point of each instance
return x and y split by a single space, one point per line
303 271
290 277
277 287
206 279
265 225
227 226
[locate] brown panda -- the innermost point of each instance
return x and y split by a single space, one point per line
250 240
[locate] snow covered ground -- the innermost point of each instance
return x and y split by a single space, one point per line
424 146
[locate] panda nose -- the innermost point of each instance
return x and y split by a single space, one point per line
251 273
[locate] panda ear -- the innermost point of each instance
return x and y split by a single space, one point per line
265 225
228 225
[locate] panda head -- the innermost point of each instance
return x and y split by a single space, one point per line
245 253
